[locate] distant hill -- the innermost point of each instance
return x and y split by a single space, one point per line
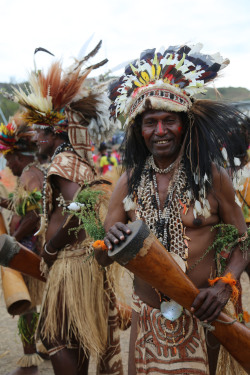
229 94
7 107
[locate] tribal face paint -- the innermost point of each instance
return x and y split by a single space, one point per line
162 133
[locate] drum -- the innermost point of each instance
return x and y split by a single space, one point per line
142 254
16 256
148 259
16 294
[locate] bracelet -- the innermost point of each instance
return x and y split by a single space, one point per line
46 251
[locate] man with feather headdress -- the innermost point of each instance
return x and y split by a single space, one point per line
74 315
175 182
19 150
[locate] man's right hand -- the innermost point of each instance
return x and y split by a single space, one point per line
116 234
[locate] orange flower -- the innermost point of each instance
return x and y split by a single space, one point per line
100 244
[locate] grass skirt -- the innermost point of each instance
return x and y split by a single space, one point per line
74 307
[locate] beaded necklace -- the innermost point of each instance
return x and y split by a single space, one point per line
166 224
152 164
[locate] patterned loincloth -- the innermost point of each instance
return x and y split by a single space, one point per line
165 347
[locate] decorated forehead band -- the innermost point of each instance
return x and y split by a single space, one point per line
55 129
39 127
163 94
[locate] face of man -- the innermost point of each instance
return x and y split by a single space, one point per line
162 132
13 162
45 142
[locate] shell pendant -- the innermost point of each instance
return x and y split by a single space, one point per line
171 310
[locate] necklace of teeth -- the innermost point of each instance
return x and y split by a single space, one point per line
152 164
165 223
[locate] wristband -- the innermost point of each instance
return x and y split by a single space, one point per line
99 244
227 279
46 251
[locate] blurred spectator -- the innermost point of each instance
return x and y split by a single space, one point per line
116 154
107 161
96 155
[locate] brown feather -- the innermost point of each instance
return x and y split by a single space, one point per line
62 88
91 54
101 63
86 107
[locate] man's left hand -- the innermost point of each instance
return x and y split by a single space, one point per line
210 301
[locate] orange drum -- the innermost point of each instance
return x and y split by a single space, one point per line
142 254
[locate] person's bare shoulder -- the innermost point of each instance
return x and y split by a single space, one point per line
67 188
122 185
229 211
222 186
31 179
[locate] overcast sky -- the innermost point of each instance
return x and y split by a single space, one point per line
126 28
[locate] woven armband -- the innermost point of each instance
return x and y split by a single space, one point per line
227 279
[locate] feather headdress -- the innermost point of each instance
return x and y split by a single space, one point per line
7 138
60 101
168 79
16 136
47 95
60 98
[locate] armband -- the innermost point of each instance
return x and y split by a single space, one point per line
227 279
49 253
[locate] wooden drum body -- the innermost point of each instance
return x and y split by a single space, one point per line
142 254
16 256
16 294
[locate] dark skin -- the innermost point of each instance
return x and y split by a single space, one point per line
66 361
29 180
162 132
